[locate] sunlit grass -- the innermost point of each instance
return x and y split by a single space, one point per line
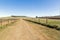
50 21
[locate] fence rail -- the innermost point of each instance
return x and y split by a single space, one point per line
6 22
52 23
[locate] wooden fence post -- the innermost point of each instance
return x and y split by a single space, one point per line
8 21
39 20
1 22
46 20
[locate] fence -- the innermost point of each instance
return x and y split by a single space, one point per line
51 23
6 22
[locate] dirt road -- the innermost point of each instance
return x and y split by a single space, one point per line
24 30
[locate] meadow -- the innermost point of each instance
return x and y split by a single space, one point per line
51 23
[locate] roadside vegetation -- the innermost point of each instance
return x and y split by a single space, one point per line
51 23
7 22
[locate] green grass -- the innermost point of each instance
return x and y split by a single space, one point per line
49 22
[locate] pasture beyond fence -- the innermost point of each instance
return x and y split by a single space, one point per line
47 21
52 23
5 22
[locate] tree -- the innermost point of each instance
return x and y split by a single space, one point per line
36 16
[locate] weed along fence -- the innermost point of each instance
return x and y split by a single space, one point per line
51 23
5 22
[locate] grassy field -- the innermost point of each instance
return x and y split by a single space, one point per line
50 21
55 22
4 22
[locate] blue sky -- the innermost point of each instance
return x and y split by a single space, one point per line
29 7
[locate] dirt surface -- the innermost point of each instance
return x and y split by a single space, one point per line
24 30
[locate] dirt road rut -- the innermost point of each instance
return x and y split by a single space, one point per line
22 31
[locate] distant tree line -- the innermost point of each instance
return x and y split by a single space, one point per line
18 16
50 17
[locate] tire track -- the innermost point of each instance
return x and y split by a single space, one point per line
36 33
22 30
